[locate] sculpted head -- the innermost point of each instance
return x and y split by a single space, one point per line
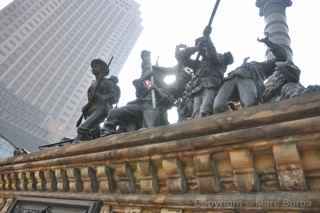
99 67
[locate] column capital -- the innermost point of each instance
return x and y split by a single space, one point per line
262 4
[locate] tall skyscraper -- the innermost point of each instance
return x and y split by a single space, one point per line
6 149
45 52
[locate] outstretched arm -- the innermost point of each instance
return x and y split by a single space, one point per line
278 50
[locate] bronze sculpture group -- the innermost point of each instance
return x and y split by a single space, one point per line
201 88
202 92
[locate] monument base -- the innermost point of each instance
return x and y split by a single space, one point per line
260 159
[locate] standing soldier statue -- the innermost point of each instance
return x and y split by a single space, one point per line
208 72
208 67
102 94
246 83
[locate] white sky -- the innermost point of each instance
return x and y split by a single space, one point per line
4 3
236 27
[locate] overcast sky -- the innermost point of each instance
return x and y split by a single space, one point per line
235 28
4 3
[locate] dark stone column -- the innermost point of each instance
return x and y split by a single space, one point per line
274 13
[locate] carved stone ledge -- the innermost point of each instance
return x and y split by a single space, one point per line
310 160
288 164
125 178
146 171
207 174
74 179
176 180
250 155
15 185
62 180
50 181
7 181
40 180
104 179
31 181
89 180
225 172
23 181
266 171
2 182
245 177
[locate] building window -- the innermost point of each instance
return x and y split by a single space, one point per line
7 47
31 24
2 53
12 42
27 29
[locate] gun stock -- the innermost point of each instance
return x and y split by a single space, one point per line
79 120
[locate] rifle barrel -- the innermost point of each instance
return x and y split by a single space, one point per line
110 61
214 12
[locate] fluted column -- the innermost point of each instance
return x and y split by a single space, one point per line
274 13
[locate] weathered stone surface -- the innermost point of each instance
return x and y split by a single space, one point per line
207 174
244 174
266 152
147 175
290 171
104 179
50 180
74 180
125 179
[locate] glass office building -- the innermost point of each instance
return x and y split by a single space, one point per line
45 53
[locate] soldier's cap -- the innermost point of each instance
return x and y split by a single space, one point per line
98 61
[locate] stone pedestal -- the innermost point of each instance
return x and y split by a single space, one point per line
261 159
274 13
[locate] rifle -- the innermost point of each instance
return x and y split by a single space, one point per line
207 29
58 144
94 93
213 12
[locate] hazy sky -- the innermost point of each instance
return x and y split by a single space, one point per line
3 3
235 28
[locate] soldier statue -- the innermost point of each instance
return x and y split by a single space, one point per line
102 94
246 83
141 112
209 68
185 104
283 83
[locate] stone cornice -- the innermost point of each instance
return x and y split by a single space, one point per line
264 153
